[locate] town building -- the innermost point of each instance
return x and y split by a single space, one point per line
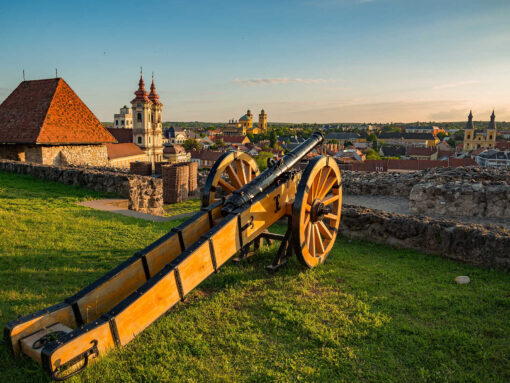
44 121
495 158
205 158
176 154
176 135
474 140
124 119
342 137
421 153
434 130
121 155
405 139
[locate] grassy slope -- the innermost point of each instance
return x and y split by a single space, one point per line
371 313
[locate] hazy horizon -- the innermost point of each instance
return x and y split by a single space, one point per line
302 61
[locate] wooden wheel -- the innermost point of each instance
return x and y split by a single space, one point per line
316 211
231 171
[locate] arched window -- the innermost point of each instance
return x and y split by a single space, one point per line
122 121
139 116
139 140
116 122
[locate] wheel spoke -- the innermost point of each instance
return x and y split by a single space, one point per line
318 240
330 199
325 231
328 185
307 219
248 172
233 177
331 216
225 185
240 171
308 234
312 240
323 181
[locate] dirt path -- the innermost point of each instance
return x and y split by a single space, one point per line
400 205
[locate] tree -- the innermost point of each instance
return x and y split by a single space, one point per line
220 143
262 158
441 135
273 138
452 142
372 137
371 154
191 144
347 144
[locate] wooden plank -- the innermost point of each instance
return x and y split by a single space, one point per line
112 292
193 232
163 254
226 242
147 308
195 268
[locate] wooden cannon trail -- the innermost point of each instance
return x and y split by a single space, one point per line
238 205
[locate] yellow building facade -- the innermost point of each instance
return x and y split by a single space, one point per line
245 125
474 140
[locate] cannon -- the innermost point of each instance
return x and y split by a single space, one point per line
238 205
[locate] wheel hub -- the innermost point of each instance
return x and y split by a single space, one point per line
318 211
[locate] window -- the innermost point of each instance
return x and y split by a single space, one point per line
490 137
139 116
122 122
469 136
139 140
116 122
149 140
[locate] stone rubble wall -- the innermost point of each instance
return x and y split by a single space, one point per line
145 193
401 184
474 244
483 199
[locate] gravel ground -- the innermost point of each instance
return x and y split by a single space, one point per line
400 205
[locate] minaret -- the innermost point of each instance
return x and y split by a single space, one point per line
262 121
157 127
142 117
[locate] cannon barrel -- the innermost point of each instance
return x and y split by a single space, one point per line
267 177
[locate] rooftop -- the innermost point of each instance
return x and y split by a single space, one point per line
49 112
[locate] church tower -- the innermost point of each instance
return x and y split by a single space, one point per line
491 132
157 126
262 121
469 133
147 127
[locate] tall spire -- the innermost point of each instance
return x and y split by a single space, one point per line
492 124
470 124
153 96
141 93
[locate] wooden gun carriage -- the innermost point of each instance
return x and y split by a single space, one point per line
238 206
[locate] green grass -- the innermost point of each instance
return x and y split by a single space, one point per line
188 206
371 313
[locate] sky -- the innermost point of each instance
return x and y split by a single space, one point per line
301 60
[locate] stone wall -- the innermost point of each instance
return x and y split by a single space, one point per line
489 199
145 193
142 168
475 244
60 155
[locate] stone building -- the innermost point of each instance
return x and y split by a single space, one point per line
474 140
147 125
124 119
44 121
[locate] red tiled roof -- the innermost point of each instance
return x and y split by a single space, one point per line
208 155
478 151
123 150
417 151
503 145
122 135
49 112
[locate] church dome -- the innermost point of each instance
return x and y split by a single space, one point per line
244 118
